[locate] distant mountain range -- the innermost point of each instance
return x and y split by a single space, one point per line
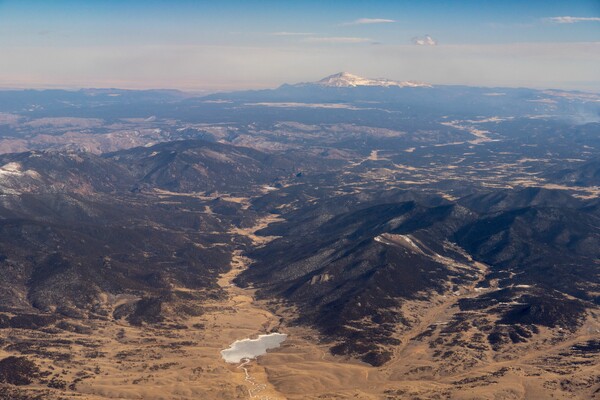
345 79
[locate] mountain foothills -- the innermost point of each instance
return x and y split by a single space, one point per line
413 241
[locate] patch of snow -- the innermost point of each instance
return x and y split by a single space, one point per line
217 101
307 105
345 79
12 168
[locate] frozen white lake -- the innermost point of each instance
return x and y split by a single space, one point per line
252 348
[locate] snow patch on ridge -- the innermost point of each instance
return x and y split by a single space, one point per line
345 79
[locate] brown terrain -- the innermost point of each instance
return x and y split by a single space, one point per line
181 359
441 244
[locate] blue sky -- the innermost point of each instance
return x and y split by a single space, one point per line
223 45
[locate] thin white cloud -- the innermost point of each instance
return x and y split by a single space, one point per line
572 20
424 41
337 39
368 21
291 33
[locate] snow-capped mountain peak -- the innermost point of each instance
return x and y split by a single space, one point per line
345 79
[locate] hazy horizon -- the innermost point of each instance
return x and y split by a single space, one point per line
233 45
592 87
